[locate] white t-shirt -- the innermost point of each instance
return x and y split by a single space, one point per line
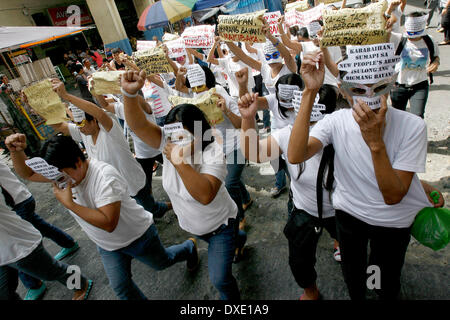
304 189
357 191
18 237
193 216
266 73
335 54
230 134
278 121
142 150
415 59
218 74
111 147
101 186
13 185
230 67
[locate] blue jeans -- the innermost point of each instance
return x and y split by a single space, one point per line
417 95
145 199
280 175
149 250
38 264
221 246
233 182
26 210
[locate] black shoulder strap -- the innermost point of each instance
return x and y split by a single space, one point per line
319 189
400 47
8 198
430 47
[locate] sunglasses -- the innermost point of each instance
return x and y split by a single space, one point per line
378 89
274 55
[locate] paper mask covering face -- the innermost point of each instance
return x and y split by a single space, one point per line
177 134
317 110
271 53
196 75
415 26
78 114
285 95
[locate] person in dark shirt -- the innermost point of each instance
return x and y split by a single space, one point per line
82 82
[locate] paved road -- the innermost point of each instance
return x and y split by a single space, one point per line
265 273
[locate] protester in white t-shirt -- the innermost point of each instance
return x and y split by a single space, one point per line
100 135
378 194
301 228
193 175
99 201
22 249
22 202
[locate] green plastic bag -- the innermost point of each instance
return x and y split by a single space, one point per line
432 227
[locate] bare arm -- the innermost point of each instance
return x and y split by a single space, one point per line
156 80
331 65
211 58
180 82
294 45
104 104
252 63
288 60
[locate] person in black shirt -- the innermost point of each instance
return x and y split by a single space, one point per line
82 82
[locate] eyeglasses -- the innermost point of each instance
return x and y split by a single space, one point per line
377 89
274 55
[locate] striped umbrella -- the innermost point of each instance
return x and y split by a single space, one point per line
162 12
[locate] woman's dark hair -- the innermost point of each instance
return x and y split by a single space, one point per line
88 117
303 32
210 78
116 50
62 152
416 14
293 30
188 115
77 67
292 79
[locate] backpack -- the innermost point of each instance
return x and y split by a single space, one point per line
430 47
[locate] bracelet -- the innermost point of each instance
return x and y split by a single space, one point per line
126 94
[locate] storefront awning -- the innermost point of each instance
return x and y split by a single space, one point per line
12 38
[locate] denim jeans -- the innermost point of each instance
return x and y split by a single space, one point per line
280 175
233 182
417 95
144 198
147 165
38 264
149 250
26 210
221 247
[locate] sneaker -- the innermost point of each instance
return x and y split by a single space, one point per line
275 192
193 261
337 254
36 294
66 251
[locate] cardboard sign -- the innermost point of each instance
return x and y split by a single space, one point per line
50 172
206 102
153 61
272 20
46 102
242 27
302 19
145 44
369 64
301 5
105 82
355 26
199 36
176 48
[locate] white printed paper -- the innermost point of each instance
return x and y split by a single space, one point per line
77 114
145 44
50 172
195 75
415 26
176 48
272 20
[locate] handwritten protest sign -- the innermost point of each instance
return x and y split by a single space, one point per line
242 27
105 82
50 172
145 44
369 64
272 20
169 37
207 103
302 19
176 48
46 102
153 61
199 36
355 26
298 5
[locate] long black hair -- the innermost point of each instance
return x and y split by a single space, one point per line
188 115
292 79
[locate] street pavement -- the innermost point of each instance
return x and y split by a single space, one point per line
264 274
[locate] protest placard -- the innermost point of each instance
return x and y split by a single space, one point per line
302 19
355 26
206 102
199 36
301 5
369 64
272 20
105 82
242 27
153 61
176 48
145 44
169 37
195 75
46 102
50 172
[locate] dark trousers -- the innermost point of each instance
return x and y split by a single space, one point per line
303 238
147 165
387 251
417 95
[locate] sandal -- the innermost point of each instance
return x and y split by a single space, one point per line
443 43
